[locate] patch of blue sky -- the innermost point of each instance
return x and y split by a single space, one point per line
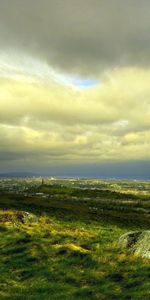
74 81
82 83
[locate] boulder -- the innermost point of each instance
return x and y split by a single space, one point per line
136 242
23 217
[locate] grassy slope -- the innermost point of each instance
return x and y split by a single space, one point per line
69 252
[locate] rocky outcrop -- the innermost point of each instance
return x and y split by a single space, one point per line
14 217
136 242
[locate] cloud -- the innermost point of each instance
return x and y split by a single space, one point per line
82 37
48 124
74 82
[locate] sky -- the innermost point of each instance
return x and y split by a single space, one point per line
75 87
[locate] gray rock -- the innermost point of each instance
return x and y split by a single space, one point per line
29 217
26 217
136 242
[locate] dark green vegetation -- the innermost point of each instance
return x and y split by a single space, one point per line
66 247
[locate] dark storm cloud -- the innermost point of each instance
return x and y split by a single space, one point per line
78 35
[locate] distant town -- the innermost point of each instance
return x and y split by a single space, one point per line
28 186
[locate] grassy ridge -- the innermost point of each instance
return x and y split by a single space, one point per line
65 249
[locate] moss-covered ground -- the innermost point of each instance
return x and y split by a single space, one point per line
64 250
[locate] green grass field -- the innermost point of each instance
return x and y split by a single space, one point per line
66 247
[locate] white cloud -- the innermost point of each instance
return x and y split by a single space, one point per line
48 122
